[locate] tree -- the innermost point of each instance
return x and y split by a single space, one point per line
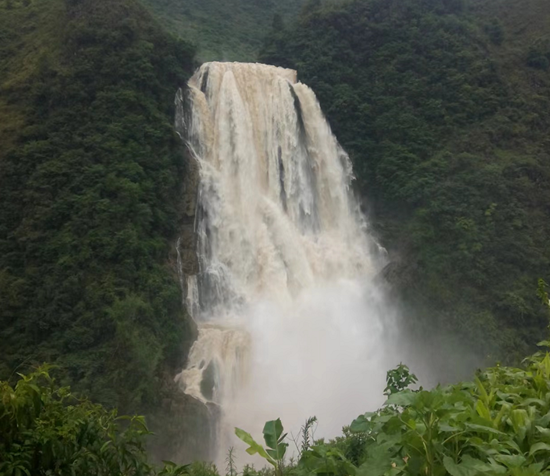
46 430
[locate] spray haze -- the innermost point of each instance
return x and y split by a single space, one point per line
291 322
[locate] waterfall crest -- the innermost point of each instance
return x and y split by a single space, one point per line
290 322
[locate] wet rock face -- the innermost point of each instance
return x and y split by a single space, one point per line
186 248
398 274
185 260
190 188
182 426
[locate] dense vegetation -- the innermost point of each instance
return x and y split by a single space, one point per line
91 169
494 425
45 430
444 109
230 30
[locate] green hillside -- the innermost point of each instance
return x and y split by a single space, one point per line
444 108
443 105
230 30
91 169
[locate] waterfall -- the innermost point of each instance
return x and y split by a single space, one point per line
290 321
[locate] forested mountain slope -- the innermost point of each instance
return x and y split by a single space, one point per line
223 30
90 172
444 108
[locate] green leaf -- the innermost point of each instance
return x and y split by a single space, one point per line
362 423
254 448
483 429
406 398
279 453
272 431
511 461
375 466
455 469
539 447
482 410
468 467
545 432
481 389
448 428
519 420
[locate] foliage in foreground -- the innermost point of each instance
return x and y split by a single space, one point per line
46 430
499 424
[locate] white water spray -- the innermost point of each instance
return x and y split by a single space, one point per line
291 323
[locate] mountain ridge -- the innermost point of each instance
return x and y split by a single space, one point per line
223 31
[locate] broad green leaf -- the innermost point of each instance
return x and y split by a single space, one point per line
360 424
545 365
253 446
411 423
279 453
274 439
519 419
503 411
544 421
539 447
483 429
467 467
402 399
447 428
496 468
531 401
272 431
482 410
545 432
536 468
511 461
456 469
376 466
481 389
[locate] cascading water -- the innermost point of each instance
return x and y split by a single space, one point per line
291 323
